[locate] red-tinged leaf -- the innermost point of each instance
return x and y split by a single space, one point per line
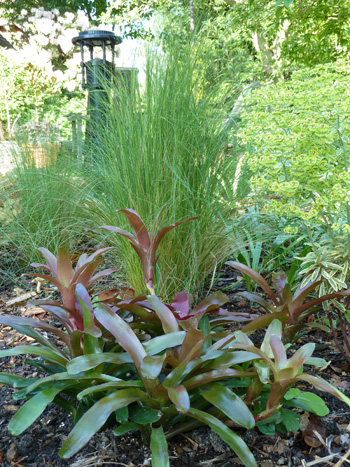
41 266
123 333
84 275
181 304
84 259
160 235
193 336
180 371
264 321
81 292
234 317
99 275
123 233
301 356
302 292
315 432
317 301
229 403
274 329
279 352
256 277
138 227
159 448
51 260
64 267
165 315
10 320
95 418
179 396
210 303
227 435
323 385
61 314
51 279
279 280
257 299
215 375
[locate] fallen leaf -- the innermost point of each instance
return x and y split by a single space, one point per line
315 432
21 299
33 311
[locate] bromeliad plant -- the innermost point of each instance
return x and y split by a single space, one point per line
291 309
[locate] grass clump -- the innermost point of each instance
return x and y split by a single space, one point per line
161 145
41 201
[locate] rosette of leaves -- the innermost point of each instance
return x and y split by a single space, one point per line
77 333
145 311
276 376
292 309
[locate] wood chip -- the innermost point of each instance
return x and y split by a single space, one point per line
21 299
30 311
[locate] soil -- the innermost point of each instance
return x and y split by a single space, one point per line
38 446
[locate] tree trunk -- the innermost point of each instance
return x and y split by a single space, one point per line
271 56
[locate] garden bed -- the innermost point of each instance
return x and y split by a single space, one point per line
38 446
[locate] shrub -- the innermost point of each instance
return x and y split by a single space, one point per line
297 134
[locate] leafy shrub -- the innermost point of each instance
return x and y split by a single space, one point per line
297 135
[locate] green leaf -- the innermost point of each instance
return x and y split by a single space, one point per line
310 402
292 394
95 417
106 386
47 354
143 415
229 403
152 366
167 341
179 396
34 407
267 429
86 362
290 419
16 381
204 325
125 428
227 435
159 448
122 415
